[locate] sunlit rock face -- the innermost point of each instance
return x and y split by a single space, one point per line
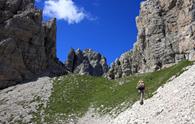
27 46
87 62
166 35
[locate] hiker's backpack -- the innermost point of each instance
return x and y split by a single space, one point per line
141 87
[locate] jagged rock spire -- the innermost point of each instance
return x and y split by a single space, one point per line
86 62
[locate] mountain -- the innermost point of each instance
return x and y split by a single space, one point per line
87 62
27 46
165 36
81 94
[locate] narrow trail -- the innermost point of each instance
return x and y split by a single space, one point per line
174 103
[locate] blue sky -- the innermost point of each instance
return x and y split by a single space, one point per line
106 26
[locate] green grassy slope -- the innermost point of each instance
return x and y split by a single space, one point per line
73 94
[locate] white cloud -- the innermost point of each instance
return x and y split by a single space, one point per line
64 9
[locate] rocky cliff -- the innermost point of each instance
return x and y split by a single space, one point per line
87 62
166 34
27 46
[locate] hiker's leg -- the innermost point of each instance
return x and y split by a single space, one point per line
142 97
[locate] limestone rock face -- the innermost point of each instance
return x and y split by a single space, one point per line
166 34
86 62
27 46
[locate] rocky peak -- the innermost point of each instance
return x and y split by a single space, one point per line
165 36
86 62
27 46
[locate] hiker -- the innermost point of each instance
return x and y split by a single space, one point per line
141 87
